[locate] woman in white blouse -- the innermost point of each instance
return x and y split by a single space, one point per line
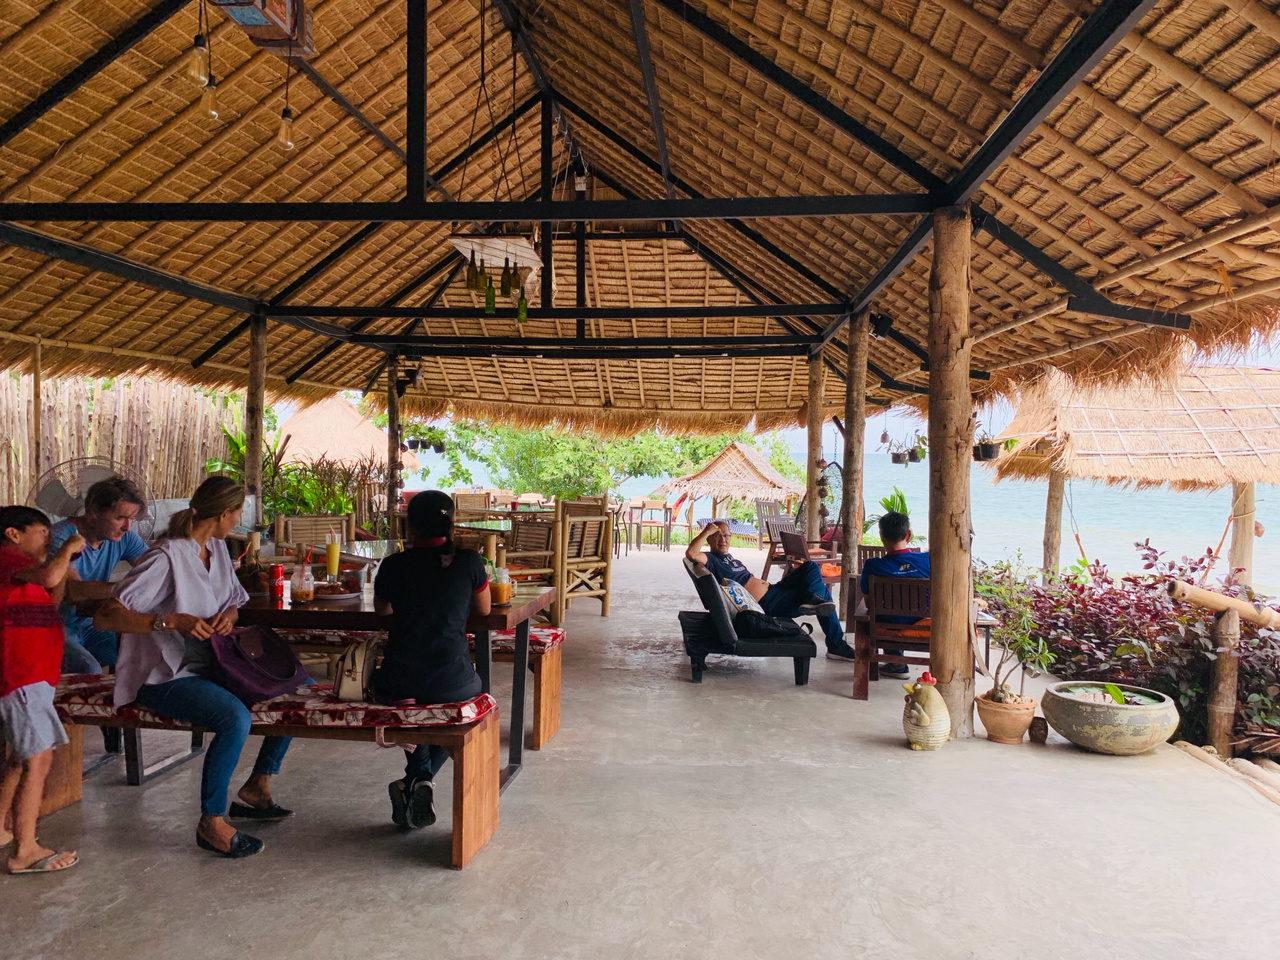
178 594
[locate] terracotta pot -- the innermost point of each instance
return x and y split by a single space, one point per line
1005 722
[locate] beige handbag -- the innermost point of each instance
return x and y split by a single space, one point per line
353 675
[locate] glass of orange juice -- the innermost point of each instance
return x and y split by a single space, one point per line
331 550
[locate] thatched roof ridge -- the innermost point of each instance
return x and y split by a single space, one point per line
738 472
1212 427
1128 183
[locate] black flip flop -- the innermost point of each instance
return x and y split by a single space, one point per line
272 811
242 845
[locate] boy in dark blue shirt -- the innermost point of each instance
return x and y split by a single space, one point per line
900 561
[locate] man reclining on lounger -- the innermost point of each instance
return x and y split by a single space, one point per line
801 592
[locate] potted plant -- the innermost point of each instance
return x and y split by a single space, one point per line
986 447
1114 718
916 451
1007 715
898 451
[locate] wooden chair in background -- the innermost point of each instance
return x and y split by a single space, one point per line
890 597
766 510
470 506
531 549
584 559
796 552
312 528
865 553
774 527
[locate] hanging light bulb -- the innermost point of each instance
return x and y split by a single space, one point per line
209 99
506 278
198 61
489 300
472 272
284 137
522 308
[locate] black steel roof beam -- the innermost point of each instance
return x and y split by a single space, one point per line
354 112
710 312
641 36
711 341
806 95
482 211
511 20
415 84
1094 39
72 82
584 350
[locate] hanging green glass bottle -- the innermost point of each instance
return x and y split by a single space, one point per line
522 308
489 300
506 278
472 272
482 278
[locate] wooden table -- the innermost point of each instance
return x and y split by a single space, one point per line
360 615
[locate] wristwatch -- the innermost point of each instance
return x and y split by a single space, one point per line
158 622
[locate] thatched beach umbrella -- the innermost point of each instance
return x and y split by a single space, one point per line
335 430
737 472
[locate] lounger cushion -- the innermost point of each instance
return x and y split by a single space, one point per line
88 696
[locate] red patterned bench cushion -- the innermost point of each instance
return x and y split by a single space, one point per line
541 639
88 695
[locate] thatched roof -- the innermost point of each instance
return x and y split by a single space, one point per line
738 472
335 430
1213 427
1128 183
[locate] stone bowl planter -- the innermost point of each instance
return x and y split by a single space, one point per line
1118 729
1005 722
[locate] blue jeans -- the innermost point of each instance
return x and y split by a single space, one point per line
102 645
783 599
204 703
76 659
424 762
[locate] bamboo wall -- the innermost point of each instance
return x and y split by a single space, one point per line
164 430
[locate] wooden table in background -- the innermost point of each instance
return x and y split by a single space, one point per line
360 615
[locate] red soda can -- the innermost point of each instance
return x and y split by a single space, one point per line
275 588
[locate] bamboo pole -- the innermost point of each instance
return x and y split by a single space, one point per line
811 518
951 423
1226 630
254 403
1181 590
393 444
855 430
1053 521
37 411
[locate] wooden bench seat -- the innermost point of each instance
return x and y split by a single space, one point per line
544 662
467 730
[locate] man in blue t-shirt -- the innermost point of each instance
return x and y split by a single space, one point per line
900 561
110 507
801 592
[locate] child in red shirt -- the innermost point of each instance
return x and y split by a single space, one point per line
31 640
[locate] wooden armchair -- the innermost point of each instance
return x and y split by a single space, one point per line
584 561
530 549
773 527
312 529
865 553
891 599
796 551
470 506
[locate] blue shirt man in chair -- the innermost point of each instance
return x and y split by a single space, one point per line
801 592
900 561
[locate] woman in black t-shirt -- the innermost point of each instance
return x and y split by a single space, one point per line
429 590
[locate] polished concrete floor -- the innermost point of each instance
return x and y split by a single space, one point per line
745 817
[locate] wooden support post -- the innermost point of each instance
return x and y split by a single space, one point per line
254 405
855 430
1053 521
393 444
951 423
37 411
815 419
1226 631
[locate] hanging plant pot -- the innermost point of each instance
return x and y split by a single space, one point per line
985 452
438 446
915 455
414 443
898 456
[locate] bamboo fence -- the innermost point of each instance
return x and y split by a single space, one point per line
165 431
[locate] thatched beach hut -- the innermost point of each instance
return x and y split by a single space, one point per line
738 472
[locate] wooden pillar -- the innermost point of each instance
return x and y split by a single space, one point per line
254 405
37 411
951 423
1053 521
1226 666
815 419
393 443
855 427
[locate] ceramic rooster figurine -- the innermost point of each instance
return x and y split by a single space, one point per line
925 719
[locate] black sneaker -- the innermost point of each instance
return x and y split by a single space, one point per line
817 606
895 669
399 805
844 653
422 808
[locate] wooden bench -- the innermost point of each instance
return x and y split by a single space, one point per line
468 731
544 663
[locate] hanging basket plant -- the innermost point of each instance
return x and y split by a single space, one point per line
986 451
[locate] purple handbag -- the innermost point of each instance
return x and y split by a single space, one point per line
256 664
